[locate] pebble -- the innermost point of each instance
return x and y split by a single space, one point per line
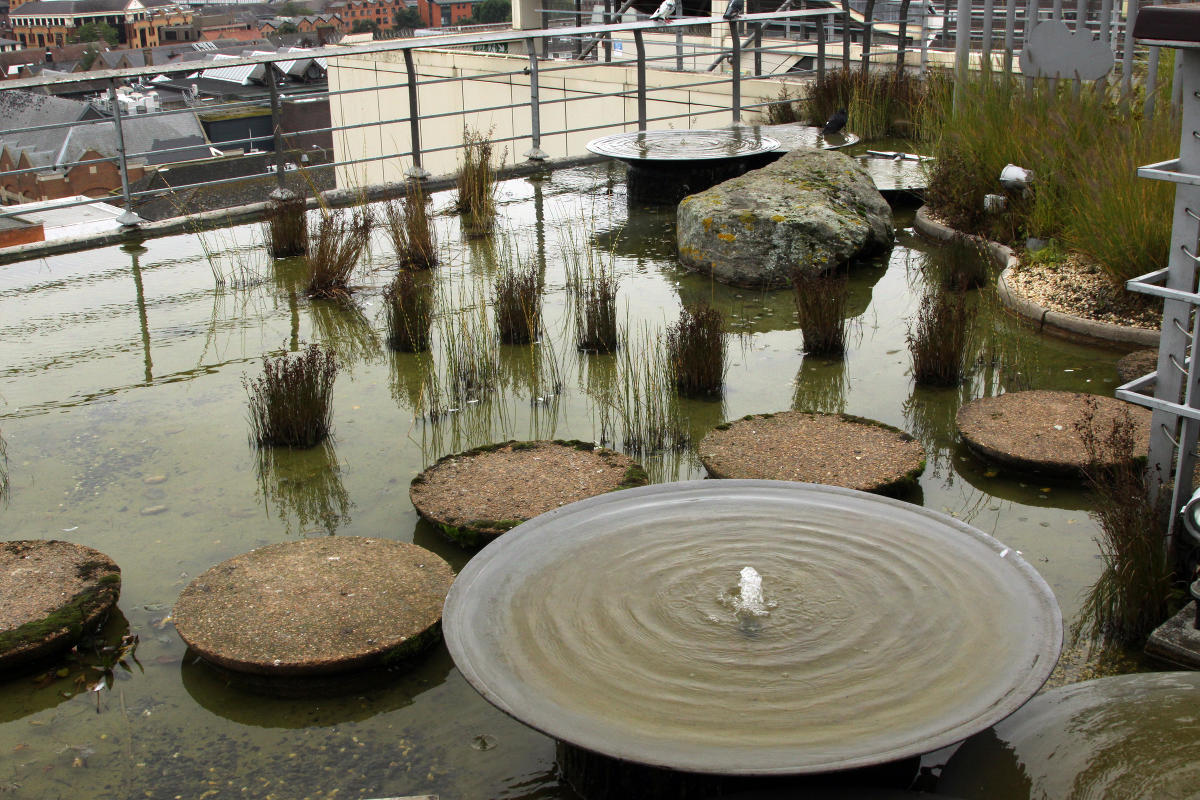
153 479
152 510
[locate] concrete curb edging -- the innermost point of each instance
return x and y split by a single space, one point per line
1054 322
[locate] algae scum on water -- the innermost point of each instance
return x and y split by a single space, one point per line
125 424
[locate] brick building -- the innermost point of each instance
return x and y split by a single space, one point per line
52 23
442 13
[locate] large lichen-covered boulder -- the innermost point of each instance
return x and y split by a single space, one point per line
815 209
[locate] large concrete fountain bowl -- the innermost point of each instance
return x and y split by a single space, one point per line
870 630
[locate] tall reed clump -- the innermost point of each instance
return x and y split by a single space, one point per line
291 403
476 184
939 338
1134 592
696 350
3 471
783 109
408 225
1083 151
643 401
961 263
409 310
821 308
592 284
878 104
286 229
518 302
335 246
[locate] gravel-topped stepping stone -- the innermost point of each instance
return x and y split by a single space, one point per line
1137 364
1035 430
316 606
833 449
475 496
51 592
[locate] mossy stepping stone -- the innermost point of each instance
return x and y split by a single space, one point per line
475 496
51 592
833 449
1035 430
316 606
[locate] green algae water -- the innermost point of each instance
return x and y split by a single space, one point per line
123 410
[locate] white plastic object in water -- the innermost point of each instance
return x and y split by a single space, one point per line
994 203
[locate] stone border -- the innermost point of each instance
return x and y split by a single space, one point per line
1054 322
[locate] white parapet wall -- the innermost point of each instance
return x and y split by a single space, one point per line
574 107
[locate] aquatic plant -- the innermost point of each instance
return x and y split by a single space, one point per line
470 352
962 263
1083 150
286 228
305 485
517 294
940 336
335 246
821 310
409 310
4 486
291 403
783 109
476 183
592 285
696 350
639 403
1134 591
878 104
408 225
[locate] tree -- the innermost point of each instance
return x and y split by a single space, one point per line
286 28
89 56
409 18
95 32
492 11
364 26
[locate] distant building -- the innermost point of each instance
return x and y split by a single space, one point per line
381 12
53 23
322 26
443 13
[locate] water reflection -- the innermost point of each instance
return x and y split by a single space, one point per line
135 251
342 326
271 702
821 385
305 487
72 673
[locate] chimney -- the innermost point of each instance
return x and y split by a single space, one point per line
49 56
148 56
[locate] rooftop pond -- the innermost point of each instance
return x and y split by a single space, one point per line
124 413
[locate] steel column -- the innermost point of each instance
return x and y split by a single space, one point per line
127 219
640 46
534 153
414 120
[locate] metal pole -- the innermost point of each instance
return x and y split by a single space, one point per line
902 35
735 61
1173 380
578 24
1031 21
640 47
845 35
821 23
679 39
868 31
280 192
962 50
989 21
607 39
414 120
758 50
1010 34
127 219
1151 83
534 153
1127 53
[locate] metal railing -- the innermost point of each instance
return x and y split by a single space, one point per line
757 45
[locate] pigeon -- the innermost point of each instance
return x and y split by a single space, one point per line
665 11
835 123
734 9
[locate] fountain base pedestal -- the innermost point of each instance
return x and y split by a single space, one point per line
668 182
599 777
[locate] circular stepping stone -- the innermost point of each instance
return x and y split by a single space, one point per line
316 606
51 592
1137 364
1035 430
833 449
475 496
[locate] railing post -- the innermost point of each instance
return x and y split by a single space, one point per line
280 192
962 50
534 153
678 40
1010 34
607 39
127 219
414 120
902 36
758 50
821 23
640 46
735 62
845 35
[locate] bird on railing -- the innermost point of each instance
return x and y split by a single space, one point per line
734 9
665 11
835 123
